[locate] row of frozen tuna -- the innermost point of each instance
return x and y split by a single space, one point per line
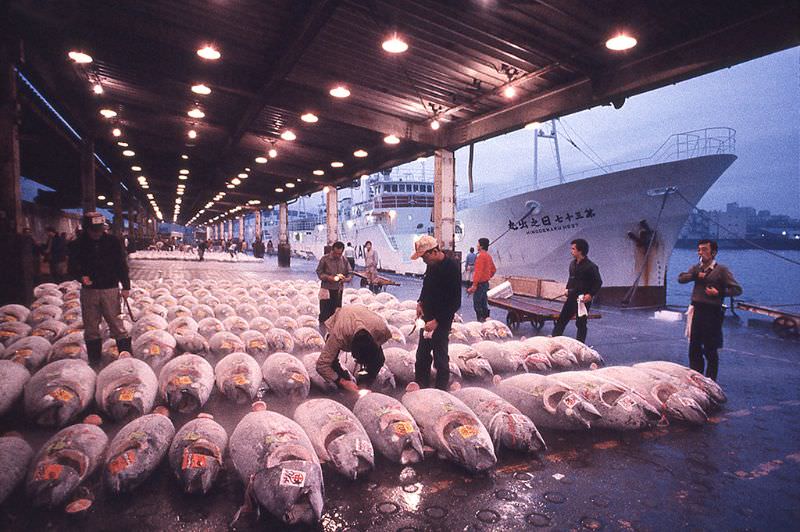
209 256
279 458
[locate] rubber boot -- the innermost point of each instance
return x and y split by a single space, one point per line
94 348
124 344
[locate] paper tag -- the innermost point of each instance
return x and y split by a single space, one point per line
292 477
23 353
256 344
363 446
7 334
467 431
40 332
182 380
193 461
226 345
155 349
571 400
62 395
48 471
127 394
72 349
240 379
121 462
298 377
626 402
401 428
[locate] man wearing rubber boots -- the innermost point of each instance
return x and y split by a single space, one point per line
100 264
438 302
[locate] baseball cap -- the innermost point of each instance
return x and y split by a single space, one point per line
423 244
93 220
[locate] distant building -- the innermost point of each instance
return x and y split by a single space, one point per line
737 222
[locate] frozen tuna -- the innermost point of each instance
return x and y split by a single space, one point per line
155 347
64 462
495 330
193 343
197 452
238 377
261 324
286 376
548 402
689 377
15 455
147 323
182 325
308 339
508 427
71 346
201 312
224 343
11 331
620 407
14 313
31 352
44 312
337 435
126 389
560 358
390 427
451 428
587 357
501 360
280 340
59 392
136 451
470 362
236 325
323 385
255 345
401 363
282 473
673 402
50 330
13 377
185 383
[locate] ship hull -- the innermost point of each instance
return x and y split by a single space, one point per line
606 210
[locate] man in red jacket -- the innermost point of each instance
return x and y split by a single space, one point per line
484 270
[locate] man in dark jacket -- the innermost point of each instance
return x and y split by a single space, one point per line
583 284
438 302
712 283
98 261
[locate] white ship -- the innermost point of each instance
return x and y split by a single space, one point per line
630 215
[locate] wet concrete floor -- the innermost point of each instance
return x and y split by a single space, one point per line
741 471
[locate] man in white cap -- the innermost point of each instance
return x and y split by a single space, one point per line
438 302
100 263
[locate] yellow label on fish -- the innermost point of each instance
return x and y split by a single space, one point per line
298 377
240 379
256 344
182 380
227 345
155 350
127 394
60 394
467 431
72 349
401 428
7 318
7 334
21 354
48 472
39 332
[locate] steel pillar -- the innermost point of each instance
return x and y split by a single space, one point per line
88 196
258 224
332 214
444 199
116 197
10 194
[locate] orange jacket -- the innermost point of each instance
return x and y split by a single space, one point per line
484 268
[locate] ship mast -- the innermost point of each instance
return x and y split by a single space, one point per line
537 133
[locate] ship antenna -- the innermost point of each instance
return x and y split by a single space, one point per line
538 132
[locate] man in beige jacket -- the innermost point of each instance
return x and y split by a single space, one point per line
357 329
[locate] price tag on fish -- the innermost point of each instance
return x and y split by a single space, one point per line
127 394
193 461
363 446
401 428
62 395
48 472
626 402
182 380
293 478
467 431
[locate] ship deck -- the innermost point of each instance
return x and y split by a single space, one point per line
740 471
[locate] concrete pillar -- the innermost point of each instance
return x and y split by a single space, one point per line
116 197
332 214
230 228
88 196
222 230
444 199
283 223
10 194
258 224
131 219
241 228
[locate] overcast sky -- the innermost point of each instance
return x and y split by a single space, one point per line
759 99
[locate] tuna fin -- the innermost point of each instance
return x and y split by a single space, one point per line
412 387
249 505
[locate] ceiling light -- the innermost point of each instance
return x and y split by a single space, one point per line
145 186
621 42
243 175
101 198
184 157
509 92
209 52
149 196
141 178
337 164
192 134
200 89
435 124
80 57
261 160
340 92
183 171
136 168
279 189
272 153
178 201
229 186
108 113
123 144
236 181
110 203
128 153
98 89
288 135
533 125
196 113
318 172
290 185
395 45
299 180
117 132
391 139
309 117
183 177
360 153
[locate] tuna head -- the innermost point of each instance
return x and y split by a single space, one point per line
200 463
350 452
291 490
401 436
537 362
466 441
238 386
682 407
479 368
55 478
515 431
183 392
135 452
569 407
125 402
57 406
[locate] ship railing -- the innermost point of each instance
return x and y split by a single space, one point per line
679 146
